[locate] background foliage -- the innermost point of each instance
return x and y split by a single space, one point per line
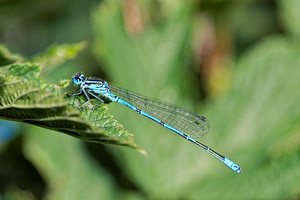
235 62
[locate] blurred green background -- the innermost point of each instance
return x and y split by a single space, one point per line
236 62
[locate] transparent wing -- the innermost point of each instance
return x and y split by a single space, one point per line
179 118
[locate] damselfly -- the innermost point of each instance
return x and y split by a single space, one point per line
186 124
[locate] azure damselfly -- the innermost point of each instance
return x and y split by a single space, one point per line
185 123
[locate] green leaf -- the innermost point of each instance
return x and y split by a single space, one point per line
23 100
13 192
57 54
64 83
6 58
146 50
97 116
27 71
290 16
257 122
67 167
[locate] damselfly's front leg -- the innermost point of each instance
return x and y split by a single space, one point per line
78 93
87 96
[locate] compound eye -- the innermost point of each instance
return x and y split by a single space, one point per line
79 77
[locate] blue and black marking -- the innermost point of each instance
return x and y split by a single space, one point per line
216 154
138 111
162 123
